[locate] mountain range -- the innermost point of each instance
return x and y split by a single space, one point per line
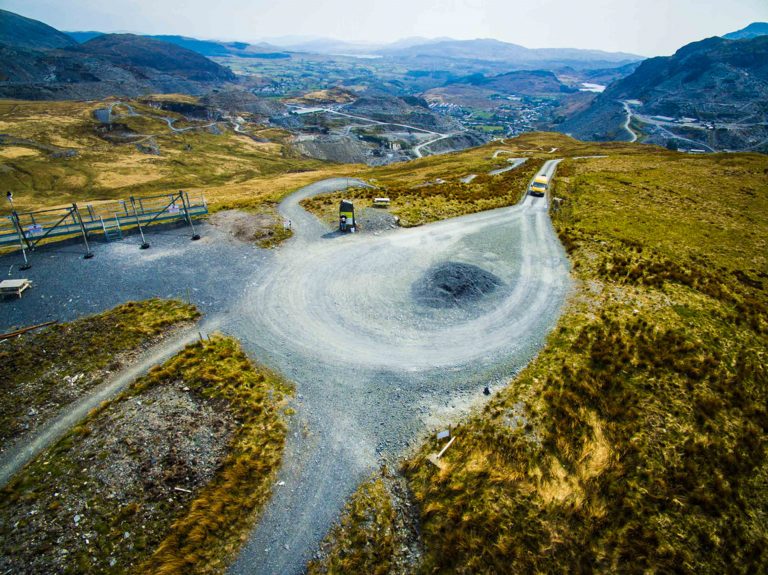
208 48
487 50
752 31
40 62
496 50
716 90
713 92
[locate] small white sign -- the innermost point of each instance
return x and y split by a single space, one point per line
173 208
34 230
444 434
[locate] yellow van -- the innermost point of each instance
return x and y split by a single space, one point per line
539 186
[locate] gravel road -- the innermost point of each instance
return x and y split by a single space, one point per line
374 369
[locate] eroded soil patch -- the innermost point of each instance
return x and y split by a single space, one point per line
103 495
45 371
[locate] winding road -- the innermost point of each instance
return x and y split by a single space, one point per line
417 150
377 122
373 367
661 126
627 120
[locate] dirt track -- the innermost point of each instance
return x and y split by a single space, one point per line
373 367
30 446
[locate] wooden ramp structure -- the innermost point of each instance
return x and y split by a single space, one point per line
27 230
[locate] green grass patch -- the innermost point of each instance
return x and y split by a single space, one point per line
418 204
354 550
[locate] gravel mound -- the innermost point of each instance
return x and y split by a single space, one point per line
454 284
372 220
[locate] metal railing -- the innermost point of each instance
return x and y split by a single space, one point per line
27 230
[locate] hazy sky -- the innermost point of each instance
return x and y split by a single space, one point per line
646 27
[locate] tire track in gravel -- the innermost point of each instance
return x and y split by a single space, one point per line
373 368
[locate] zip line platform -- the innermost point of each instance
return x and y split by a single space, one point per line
27 230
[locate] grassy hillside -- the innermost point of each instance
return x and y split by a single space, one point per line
18 31
636 441
436 187
57 153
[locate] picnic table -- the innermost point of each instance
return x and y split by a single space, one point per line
14 287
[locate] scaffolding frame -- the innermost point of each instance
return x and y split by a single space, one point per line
28 229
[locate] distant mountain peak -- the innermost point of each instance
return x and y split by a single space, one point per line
21 32
752 31
493 50
715 81
145 52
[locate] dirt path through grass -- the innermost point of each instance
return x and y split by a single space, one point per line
27 448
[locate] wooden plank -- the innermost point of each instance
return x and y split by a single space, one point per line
447 445
13 284
26 329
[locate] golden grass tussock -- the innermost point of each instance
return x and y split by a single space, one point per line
121 177
205 538
12 152
180 98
